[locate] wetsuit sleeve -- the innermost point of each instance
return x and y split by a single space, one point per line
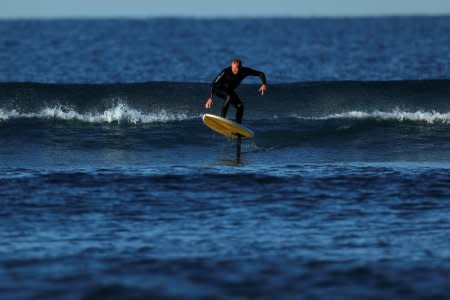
251 72
215 82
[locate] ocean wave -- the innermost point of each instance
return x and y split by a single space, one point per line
168 101
395 115
120 113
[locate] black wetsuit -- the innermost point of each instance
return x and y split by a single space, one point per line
224 85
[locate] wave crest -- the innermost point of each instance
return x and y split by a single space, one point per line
395 115
120 113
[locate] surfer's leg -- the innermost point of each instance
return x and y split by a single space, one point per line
227 100
231 98
239 112
236 101
225 106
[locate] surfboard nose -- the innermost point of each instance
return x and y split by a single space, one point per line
227 127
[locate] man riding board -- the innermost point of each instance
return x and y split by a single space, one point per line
227 81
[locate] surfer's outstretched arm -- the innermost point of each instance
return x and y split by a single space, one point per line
209 103
252 72
261 75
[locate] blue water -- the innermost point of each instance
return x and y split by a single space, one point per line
112 188
195 50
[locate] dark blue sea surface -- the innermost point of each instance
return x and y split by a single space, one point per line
195 50
112 188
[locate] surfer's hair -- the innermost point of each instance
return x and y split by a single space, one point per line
237 61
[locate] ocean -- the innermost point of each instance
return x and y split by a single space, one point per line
111 187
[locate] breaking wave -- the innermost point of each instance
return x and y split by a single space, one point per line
121 113
425 101
396 115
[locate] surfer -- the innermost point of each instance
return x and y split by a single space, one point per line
227 81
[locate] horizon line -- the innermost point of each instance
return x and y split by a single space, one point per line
226 17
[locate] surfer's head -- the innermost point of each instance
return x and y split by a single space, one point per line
236 65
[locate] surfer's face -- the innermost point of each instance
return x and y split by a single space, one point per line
235 67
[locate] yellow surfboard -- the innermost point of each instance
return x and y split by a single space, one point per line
227 127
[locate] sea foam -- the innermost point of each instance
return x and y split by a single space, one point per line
395 115
120 113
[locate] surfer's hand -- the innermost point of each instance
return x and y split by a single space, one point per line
209 103
263 89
